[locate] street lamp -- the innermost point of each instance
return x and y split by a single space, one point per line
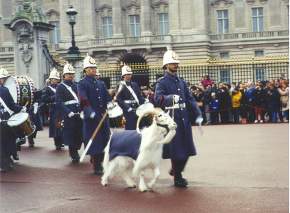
71 14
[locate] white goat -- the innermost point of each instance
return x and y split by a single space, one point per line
161 131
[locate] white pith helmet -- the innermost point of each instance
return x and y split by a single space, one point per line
3 73
68 68
54 74
126 70
89 62
170 57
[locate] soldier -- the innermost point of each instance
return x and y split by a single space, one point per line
35 116
69 106
7 136
129 98
172 90
54 116
94 98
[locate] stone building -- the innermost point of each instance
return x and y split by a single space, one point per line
141 30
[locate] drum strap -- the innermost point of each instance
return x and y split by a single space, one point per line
71 91
132 93
5 106
52 89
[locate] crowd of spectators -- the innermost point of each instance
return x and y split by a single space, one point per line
263 101
242 102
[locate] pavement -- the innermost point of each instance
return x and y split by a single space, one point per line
239 168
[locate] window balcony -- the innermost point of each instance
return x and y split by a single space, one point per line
249 35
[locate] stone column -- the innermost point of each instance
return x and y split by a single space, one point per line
86 19
65 29
200 16
145 18
117 18
174 17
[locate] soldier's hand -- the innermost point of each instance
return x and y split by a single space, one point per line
92 115
129 110
24 109
71 114
199 120
176 98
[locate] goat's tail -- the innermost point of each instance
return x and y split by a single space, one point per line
106 157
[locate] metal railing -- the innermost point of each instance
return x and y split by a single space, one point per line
228 71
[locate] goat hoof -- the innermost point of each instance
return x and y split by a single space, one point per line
143 189
104 183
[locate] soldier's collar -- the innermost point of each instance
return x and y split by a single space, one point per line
175 77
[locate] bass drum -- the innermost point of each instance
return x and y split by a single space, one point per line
21 89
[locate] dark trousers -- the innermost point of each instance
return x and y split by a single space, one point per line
57 141
178 167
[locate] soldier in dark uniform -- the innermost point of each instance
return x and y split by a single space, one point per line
68 103
129 98
94 98
7 135
35 116
172 90
48 97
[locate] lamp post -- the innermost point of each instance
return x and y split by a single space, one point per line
73 54
71 14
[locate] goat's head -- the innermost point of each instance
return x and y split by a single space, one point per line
161 119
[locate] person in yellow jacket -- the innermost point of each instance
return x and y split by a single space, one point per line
236 103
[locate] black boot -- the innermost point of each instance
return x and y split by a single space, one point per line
31 142
74 155
98 167
180 182
176 171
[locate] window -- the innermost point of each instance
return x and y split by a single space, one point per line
223 21
225 76
257 16
163 23
259 53
260 74
107 27
224 55
55 33
134 24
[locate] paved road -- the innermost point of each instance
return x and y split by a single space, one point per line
239 168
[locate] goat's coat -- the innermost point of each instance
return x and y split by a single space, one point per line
182 145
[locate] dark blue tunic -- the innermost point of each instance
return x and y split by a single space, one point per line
182 145
72 127
126 100
7 135
54 115
94 98
125 143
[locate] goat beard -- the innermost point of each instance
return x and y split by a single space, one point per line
168 137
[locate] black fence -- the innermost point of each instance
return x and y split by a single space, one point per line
228 71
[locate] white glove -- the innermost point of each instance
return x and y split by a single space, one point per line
110 106
71 114
199 120
35 107
176 98
24 109
92 115
130 109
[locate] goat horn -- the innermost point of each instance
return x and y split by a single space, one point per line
153 112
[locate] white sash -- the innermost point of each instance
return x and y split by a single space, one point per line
5 106
71 91
132 93
53 89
